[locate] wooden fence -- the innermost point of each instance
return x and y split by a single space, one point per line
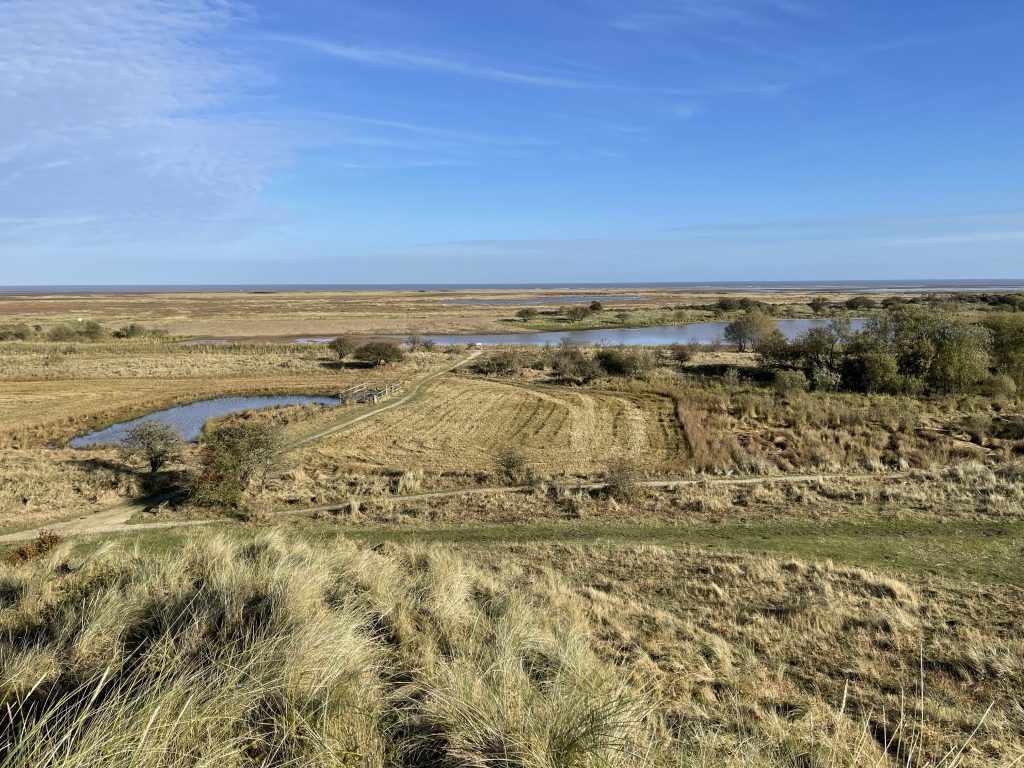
369 393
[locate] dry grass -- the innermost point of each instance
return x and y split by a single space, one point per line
289 313
268 653
782 661
464 424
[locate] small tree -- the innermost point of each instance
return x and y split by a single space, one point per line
154 443
235 457
681 353
575 314
526 314
621 480
379 353
342 347
750 329
414 339
513 465
818 304
596 306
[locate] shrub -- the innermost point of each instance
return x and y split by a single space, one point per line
130 331
44 541
379 353
502 363
825 379
573 365
789 383
513 465
1007 332
526 314
681 353
19 332
861 302
596 306
620 361
999 385
154 443
749 330
818 304
621 480
881 372
342 347
575 314
233 458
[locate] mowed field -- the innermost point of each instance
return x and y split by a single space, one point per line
464 423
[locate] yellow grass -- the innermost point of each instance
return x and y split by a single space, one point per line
462 424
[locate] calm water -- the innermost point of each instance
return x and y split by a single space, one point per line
691 333
189 419
546 300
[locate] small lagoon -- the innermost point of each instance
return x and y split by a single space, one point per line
189 419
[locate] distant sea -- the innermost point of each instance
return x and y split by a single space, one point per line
867 286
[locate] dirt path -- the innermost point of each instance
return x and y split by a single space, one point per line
115 520
413 391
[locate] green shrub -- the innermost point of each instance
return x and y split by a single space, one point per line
620 361
789 383
379 353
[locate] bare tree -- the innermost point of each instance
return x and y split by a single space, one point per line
155 443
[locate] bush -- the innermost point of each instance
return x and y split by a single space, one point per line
235 457
880 372
620 361
89 330
1007 332
502 363
749 330
513 465
681 353
861 302
621 480
999 385
789 383
44 542
19 332
575 314
596 306
130 331
526 314
818 304
342 347
825 379
154 443
573 365
379 353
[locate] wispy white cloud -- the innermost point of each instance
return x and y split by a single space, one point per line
965 238
115 120
399 59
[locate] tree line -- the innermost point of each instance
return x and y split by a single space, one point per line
912 349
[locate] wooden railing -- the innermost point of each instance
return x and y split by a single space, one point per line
369 393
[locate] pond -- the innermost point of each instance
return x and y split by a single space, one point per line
545 300
691 333
189 419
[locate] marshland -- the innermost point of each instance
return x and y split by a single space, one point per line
776 549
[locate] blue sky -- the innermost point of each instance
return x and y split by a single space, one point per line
196 141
